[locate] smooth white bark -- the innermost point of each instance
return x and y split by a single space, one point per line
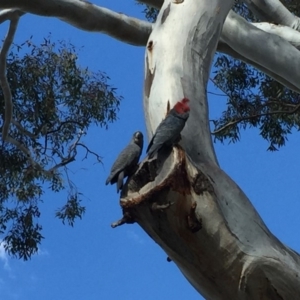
268 50
289 34
224 48
273 11
87 16
167 63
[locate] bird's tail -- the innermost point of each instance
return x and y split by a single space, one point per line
153 151
107 180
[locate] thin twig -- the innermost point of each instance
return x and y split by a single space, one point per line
64 162
64 123
99 158
256 116
216 94
73 146
219 87
69 158
26 151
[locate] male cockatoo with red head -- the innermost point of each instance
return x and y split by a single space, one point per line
168 131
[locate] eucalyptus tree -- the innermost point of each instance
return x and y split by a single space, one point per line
185 201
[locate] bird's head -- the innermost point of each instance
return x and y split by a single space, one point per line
182 106
138 138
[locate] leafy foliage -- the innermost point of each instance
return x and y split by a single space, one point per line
254 99
24 235
242 9
55 102
150 12
71 210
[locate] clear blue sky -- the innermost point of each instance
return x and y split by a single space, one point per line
92 261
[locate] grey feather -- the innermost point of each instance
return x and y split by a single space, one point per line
167 132
127 161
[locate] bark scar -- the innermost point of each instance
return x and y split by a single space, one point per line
161 207
201 184
150 74
194 224
165 14
168 108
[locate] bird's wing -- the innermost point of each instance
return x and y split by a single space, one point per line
125 159
167 131
159 133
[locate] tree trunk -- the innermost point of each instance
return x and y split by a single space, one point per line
183 200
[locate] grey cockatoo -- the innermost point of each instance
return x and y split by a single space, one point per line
168 131
127 161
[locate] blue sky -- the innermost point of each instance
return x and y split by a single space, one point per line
92 261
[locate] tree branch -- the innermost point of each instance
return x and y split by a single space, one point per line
23 130
289 34
71 153
89 17
63 124
3 79
242 37
99 158
224 48
26 151
8 14
273 11
239 120
64 162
